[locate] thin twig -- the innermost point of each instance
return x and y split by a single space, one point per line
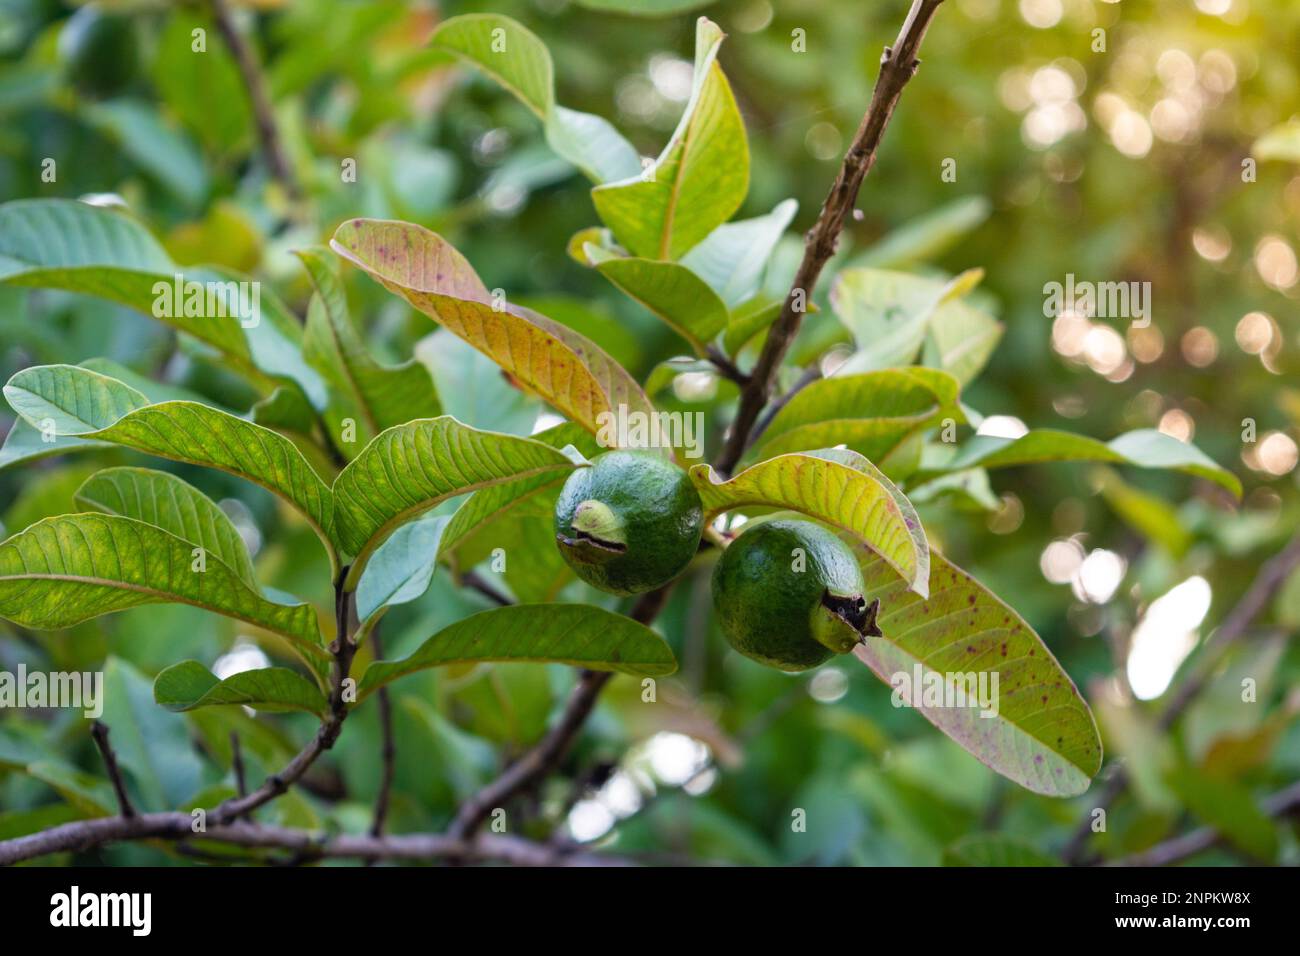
898 64
267 130
474 580
727 368
811 374
538 762
1258 596
389 752
99 731
1180 848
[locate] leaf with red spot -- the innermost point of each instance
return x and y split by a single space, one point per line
1018 711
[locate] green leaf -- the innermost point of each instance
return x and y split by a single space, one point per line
83 402
961 340
1229 807
70 245
1144 448
926 237
698 181
995 849
515 57
733 257
152 745
1042 737
409 469
137 130
749 319
400 569
69 569
165 501
562 367
672 292
204 90
1281 142
378 395
873 413
189 685
839 487
1152 517
576 634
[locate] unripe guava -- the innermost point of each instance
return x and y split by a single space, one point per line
789 594
629 522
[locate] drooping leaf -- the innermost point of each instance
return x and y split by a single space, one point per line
165 501
839 487
562 367
69 569
577 634
189 685
699 180
400 569
83 402
1144 448
1039 732
516 58
961 340
873 413
671 291
732 258
381 396
409 469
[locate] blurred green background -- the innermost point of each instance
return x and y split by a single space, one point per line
1111 155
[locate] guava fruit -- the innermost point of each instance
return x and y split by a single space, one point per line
629 522
789 594
100 51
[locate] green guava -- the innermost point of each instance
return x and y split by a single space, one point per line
628 523
789 594
100 51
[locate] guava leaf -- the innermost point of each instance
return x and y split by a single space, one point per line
671 291
873 413
400 569
409 469
749 319
165 501
1144 448
1043 736
189 685
836 486
65 570
382 396
698 181
732 258
515 57
928 236
995 849
82 402
563 368
961 340
580 635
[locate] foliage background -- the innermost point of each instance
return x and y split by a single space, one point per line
1055 176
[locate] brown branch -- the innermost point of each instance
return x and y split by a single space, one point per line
389 753
1180 848
99 731
898 64
538 762
1238 621
85 834
264 115
727 368
811 374
474 580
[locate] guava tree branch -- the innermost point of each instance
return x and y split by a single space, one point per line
304 845
1272 574
389 753
268 131
898 64
543 758
1280 804
99 731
